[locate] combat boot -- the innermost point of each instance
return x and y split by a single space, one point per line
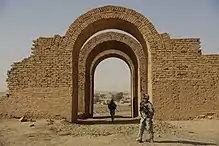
151 138
139 140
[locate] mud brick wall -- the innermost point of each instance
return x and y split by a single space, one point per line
185 82
40 84
38 103
48 66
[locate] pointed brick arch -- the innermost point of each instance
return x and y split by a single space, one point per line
102 18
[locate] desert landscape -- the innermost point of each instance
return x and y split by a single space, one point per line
99 131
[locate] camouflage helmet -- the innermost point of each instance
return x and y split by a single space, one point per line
145 97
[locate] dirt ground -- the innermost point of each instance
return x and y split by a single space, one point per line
100 131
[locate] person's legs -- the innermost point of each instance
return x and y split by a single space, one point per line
149 128
141 130
112 113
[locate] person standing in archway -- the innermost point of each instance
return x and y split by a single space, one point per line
112 107
146 122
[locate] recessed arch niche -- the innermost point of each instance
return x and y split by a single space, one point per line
116 42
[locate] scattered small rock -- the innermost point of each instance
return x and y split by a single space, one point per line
206 116
210 117
173 132
16 117
201 117
50 122
32 125
210 114
66 128
23 119
32 120
63 133
31 135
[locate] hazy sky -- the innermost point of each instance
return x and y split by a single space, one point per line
22 21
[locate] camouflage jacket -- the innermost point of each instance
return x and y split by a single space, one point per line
146 109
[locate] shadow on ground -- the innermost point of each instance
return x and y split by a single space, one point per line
184 142
117 116
106 120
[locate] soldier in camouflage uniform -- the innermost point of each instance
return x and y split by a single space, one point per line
112 107
146 123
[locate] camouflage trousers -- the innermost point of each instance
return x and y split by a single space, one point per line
146 124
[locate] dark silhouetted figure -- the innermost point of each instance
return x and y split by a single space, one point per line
112 107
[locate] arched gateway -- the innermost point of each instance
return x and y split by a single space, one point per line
100 47
108 17
56 80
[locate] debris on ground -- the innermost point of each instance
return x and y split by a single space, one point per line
32 125
210 116
68 128
50 121
23 119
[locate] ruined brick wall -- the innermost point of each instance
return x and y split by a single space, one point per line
48 66
39 85
185 82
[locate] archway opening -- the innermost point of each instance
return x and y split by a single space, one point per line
109 17
112 80
99 53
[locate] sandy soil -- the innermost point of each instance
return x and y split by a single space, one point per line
100 131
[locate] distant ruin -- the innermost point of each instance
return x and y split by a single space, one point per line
56 80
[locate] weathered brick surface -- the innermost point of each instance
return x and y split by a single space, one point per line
48 66
38 103
183 82
97 45
40 84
